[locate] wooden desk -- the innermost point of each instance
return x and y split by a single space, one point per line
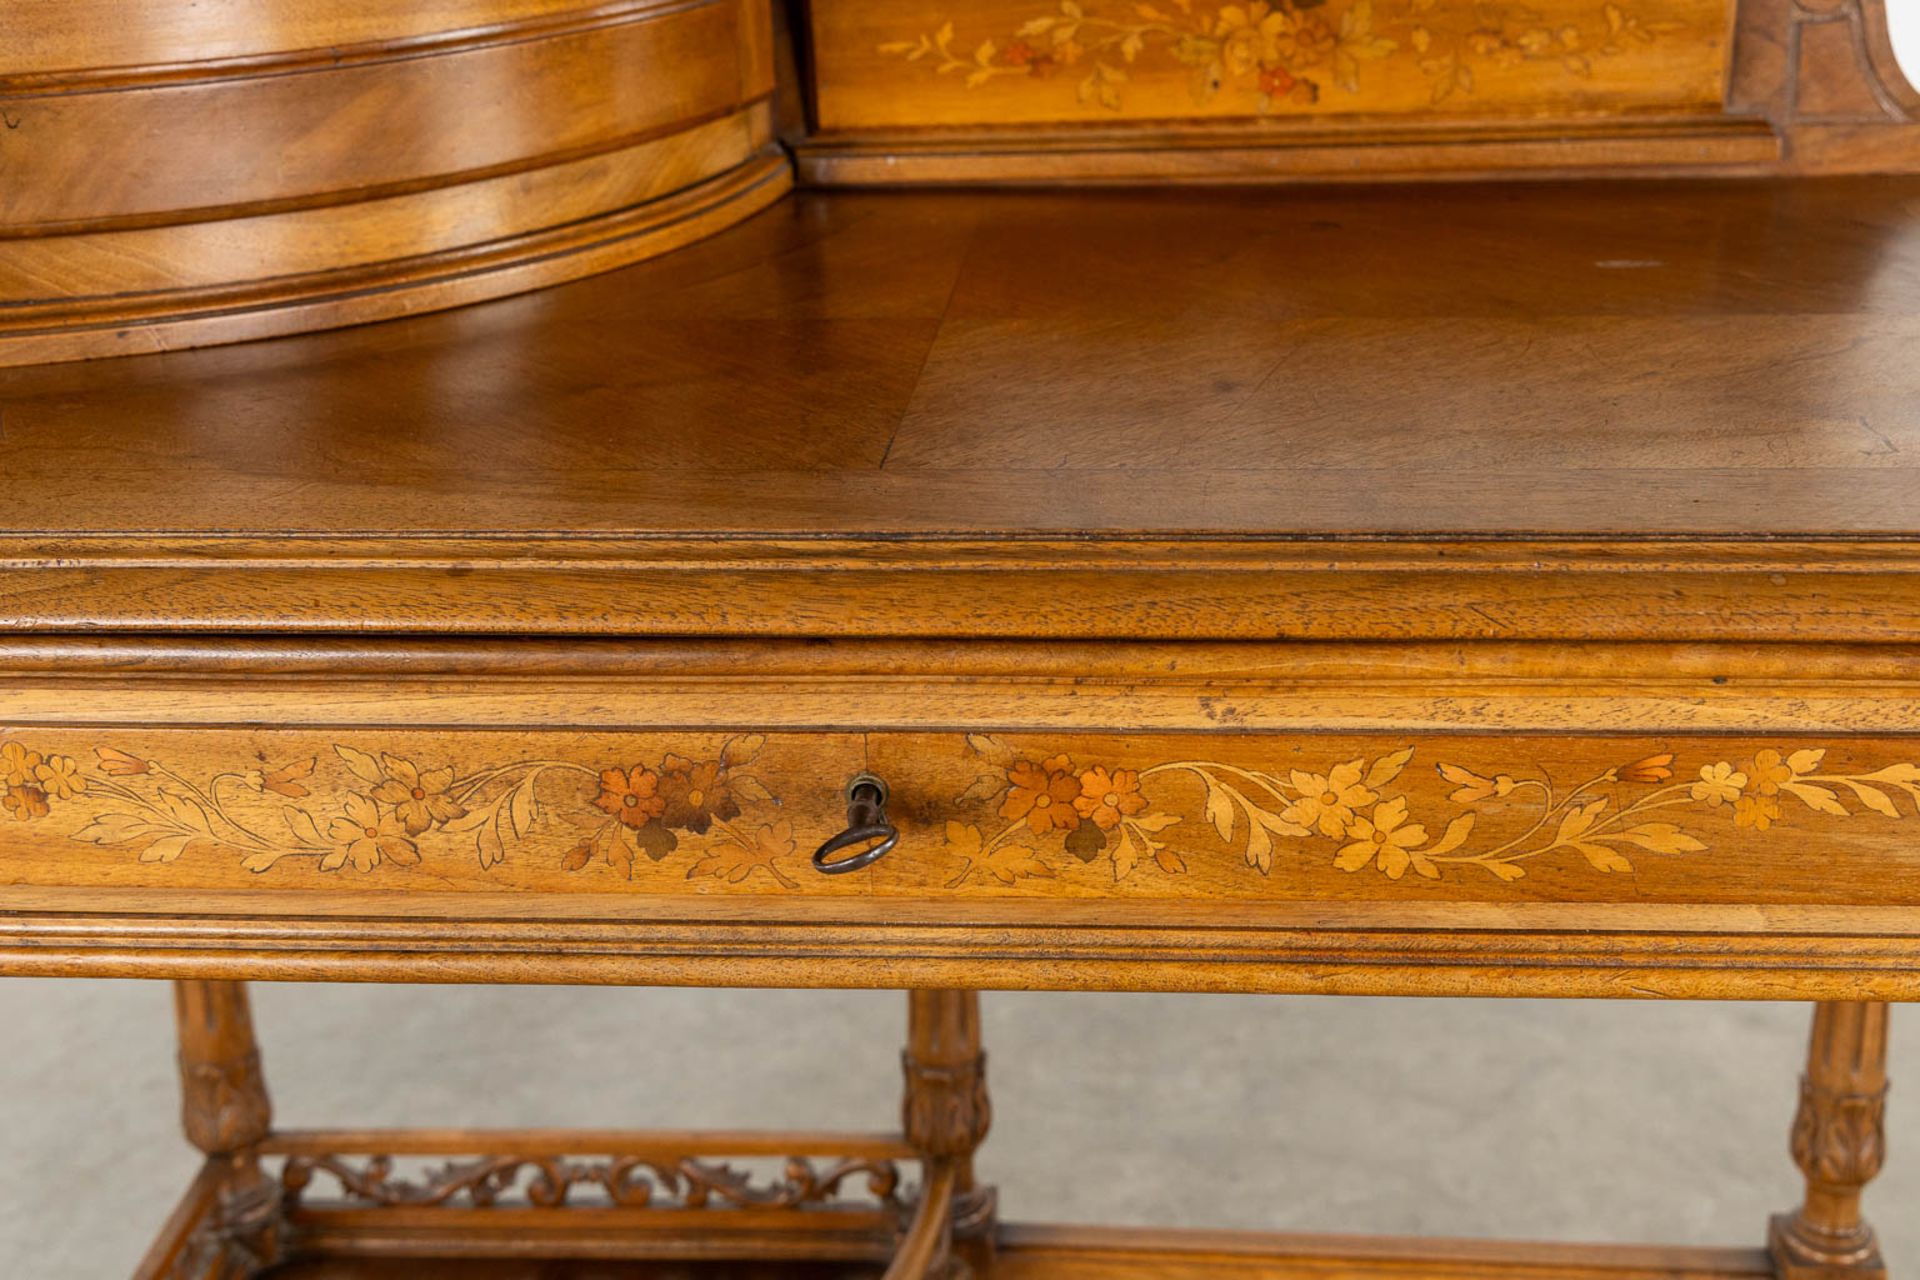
1512 591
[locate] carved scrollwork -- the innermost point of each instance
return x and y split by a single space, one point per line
627 1181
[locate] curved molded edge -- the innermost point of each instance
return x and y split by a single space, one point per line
163 321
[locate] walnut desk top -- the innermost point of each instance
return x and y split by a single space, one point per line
1513 590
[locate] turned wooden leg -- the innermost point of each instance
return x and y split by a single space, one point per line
1839 1141
225 1111
946 1111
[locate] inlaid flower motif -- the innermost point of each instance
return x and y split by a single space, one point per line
361 836
1719 784
1329 800
116 763
1265 49
631 795
25 803
695 794
1757 812
1308 41
286 780
1249 35
1472 788
1386 837
1044 794
1107 797
1651 769
1768 772
19 767
419 800
59 776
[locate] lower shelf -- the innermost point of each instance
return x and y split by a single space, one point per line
469 1269
722 1206
1045 1253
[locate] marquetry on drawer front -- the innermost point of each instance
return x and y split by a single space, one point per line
1180 816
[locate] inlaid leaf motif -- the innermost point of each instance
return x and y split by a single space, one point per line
734 863
1388 767
365 767
1662 837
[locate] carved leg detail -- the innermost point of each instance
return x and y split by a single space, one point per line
1839 1141
226 1114
946 1111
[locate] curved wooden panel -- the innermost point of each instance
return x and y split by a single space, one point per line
266 191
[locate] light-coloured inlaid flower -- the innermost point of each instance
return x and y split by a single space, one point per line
1719 784
59 776
19 767
1329 801
419 799
366 839
1385 837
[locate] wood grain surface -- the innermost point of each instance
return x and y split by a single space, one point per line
1679 394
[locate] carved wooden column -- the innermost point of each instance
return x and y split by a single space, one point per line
225 1111
1839 1140
946 1112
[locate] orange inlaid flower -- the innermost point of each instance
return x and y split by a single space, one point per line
59 776
1277 82
25 803
695 794
361 836
1758 812
419 799
1651 769
631 795
1043 794
1105 798
1328 801
1768 771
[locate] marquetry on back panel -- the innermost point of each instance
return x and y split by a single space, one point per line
1116 90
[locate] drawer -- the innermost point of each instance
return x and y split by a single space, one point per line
1200 817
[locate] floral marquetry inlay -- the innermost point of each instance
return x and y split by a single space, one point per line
379 809
1173 815
1260 57
1054 811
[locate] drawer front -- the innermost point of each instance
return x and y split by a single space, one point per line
1194 817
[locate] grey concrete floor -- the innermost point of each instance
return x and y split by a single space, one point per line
1595 1121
